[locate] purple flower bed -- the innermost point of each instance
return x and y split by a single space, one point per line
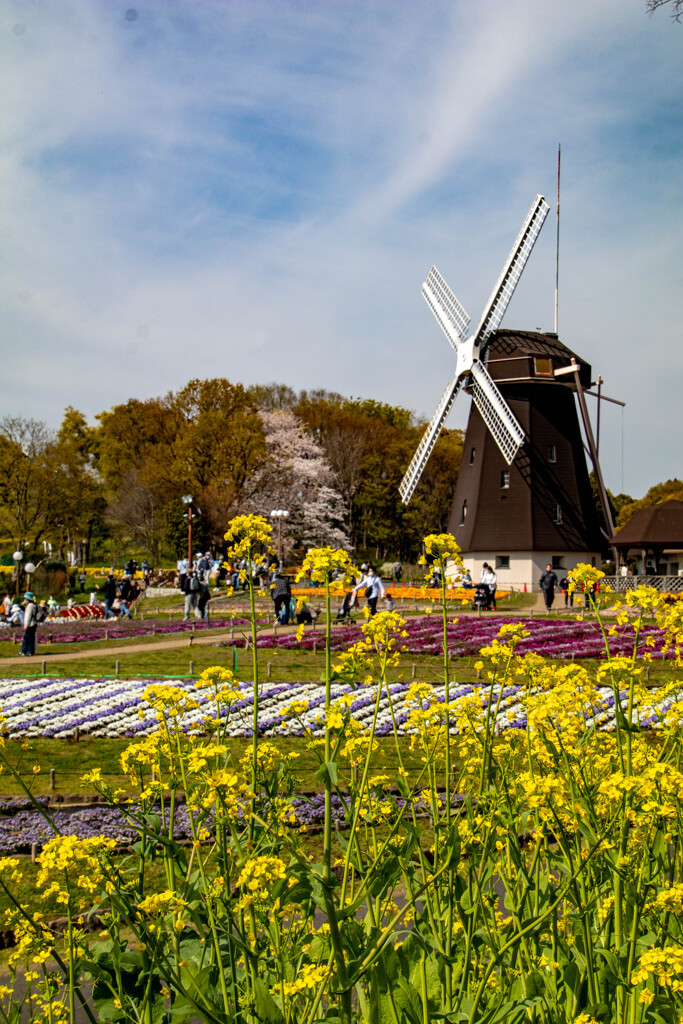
21 830
557 638
78 632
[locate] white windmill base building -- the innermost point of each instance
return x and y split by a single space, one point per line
521 570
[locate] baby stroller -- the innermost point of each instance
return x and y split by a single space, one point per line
344 613
482 598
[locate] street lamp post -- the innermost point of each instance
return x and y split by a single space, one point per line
29 569
279 514
187 500
17 556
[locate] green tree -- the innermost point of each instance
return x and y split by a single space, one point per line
26 480
669 490
77 501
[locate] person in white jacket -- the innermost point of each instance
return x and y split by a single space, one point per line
490 580
28 645
374 589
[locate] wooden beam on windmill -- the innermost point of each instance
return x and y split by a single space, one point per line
470 351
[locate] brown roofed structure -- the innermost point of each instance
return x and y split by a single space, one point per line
656 528
543 501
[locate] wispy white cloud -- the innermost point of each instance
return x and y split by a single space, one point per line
257 189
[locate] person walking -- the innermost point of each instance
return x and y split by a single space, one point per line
568 597
28 644
374 589
182 565
281 593
192 592
109 594
490 581
548 582
203 599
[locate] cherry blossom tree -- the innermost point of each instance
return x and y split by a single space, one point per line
298 478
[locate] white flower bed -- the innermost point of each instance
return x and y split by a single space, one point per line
111 707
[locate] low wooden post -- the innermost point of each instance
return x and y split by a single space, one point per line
44 668
34 852
413 670
191 668
269 669
52 779
117 666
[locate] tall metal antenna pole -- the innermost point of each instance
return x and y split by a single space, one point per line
557 243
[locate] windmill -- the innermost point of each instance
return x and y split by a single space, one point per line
523 496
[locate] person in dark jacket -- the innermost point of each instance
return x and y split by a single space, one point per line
281 593
564 587
548 583
204 598
109 594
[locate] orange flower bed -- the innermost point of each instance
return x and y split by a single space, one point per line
407 593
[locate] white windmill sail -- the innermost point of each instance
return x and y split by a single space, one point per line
454 322
446 308
499 299
496 413
427 442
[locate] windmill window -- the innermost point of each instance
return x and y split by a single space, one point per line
463 513
502 561
557 512
473 452
552 453
505 478
543 367
557 562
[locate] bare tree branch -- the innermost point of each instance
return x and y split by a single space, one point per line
676 12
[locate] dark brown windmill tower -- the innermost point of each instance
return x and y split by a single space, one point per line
523 496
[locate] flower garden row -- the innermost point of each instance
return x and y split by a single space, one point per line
556 638
19 831
55 708
63 632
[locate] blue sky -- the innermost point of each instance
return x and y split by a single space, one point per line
257 190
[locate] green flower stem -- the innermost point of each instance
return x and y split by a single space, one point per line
202 871
254 664
72 976
331 910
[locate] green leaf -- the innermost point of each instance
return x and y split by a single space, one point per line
266 1008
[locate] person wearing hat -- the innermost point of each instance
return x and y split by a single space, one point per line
28 644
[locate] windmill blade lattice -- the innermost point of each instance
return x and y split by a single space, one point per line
454 322
499 299
450 314
496 413
427 442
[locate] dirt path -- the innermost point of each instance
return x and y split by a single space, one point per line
187 640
